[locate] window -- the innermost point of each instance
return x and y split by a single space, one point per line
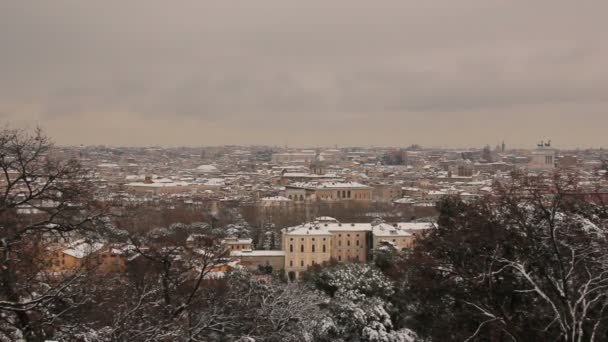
357 242
290 263
348 243
339 258
323 248
313 248
339 243
348 193
291 248
302 263
302 248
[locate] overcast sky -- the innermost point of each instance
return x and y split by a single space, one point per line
307 72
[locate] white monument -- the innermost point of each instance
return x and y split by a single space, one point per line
543 157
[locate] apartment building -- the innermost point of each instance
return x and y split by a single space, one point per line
327 239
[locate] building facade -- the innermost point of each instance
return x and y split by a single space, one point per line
326 240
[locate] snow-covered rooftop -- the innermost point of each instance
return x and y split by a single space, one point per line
207 169
329 185
327 228
261 253
276 199
81 249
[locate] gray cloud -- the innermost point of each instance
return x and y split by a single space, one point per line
312 72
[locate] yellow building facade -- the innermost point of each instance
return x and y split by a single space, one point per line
327 239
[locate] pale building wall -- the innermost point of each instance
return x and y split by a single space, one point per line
300 253
543 159
349 246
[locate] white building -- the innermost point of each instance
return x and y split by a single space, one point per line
543 157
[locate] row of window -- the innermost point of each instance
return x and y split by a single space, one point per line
313 246
324 249
347 242
346 194
237 247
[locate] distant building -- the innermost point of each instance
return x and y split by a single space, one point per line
304 157
326 239
386 193
89 255
567 162
236 244
543 157
329 191
254 259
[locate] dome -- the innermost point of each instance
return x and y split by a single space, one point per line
207 169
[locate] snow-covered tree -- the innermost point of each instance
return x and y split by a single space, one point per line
271 240
42 197
529 263
358 308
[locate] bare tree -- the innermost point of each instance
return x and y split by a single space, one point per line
179 263
40 196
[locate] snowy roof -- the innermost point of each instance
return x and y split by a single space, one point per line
308 229
412 226
384 229
404 200
327 228
207 168
261 253
326 219
110 165
303 153
214 181
81 249
231 241
276 198
308 175
162 184
329 185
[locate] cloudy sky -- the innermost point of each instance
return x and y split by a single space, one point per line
307 73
